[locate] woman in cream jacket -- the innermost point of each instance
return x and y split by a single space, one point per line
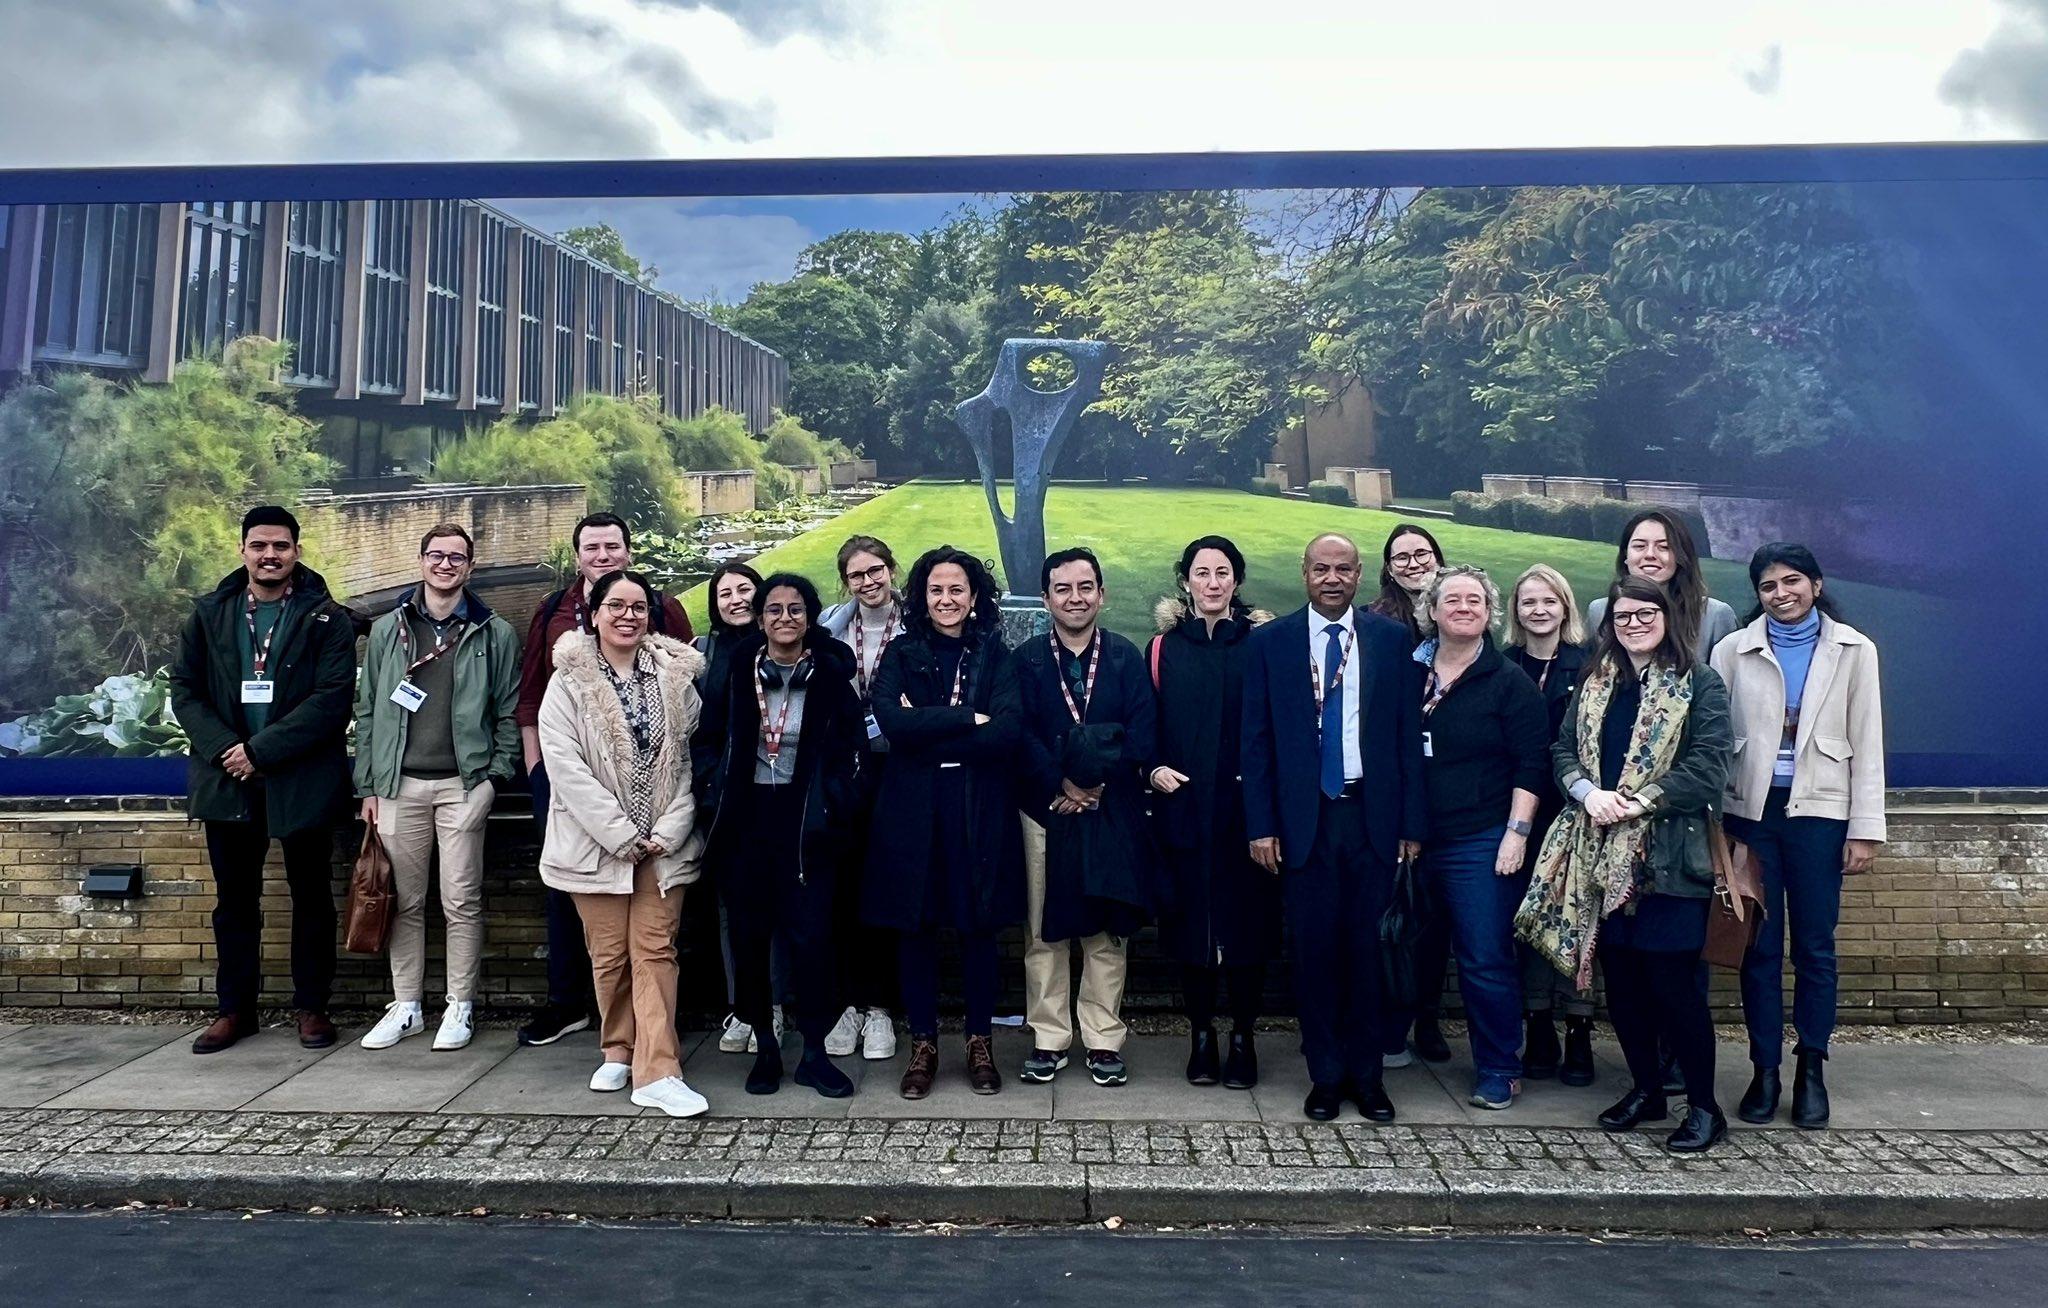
615 729
1806 794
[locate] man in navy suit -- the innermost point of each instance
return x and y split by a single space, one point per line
1332 762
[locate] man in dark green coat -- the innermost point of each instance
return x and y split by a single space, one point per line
264 687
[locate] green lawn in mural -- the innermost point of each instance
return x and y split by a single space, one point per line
1138 533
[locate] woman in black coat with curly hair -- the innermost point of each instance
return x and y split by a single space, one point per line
947 849
1224 925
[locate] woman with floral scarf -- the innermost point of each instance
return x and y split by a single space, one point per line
1626 870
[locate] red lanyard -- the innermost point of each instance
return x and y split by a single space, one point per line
771 735
1315 681
861 672
1080 710
443 641
262 652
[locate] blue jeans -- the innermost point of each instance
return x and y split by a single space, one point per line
1480 906
1801 862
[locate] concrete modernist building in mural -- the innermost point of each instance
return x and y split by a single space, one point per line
410 320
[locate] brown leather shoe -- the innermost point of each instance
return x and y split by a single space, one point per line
315 1031
981 1067
226 1029
924 1066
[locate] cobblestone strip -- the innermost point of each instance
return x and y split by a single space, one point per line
1444 1150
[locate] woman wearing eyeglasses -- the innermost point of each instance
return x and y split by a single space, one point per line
866 622
775 759
1626 870
615 730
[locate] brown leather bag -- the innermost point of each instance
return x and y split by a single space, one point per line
368 924
1737 912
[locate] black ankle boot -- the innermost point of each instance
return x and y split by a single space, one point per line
1241 1065
1810 1091
1202 1057
1430 1044
1539 1046
1760 1102
817 1071
1669 1072
1577 1067
765 1078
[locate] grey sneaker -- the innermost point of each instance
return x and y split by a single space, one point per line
1043 1065
1107 1067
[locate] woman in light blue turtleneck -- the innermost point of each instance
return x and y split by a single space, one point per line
1806 794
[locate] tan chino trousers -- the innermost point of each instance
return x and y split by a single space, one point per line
430 815
632 941
1049 1005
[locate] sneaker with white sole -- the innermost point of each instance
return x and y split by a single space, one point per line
844 1037
456 1025
1406 1058
754 1039
877 1035
735 1036
672 1095
610 1077
401 1018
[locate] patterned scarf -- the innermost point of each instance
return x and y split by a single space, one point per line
647 718
1586 872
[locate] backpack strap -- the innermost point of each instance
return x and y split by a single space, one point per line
1154 652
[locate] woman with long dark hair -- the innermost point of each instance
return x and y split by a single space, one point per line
1408 559
775 759
1628 869
1224 924
947 848
1657 546
1806 794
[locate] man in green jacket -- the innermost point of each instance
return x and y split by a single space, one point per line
262 685
435 732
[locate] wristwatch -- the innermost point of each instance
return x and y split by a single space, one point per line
1520 827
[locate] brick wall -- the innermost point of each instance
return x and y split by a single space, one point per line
371 542
1953 927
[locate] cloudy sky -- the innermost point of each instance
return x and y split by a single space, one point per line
96 82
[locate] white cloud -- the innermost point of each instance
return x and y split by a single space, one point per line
171 81
700 255
2005 80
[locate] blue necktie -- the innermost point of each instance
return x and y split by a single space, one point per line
1333 713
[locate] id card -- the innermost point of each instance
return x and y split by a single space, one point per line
258 690
1428 750
408 696
874 728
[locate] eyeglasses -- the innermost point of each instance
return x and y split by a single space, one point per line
1414 559
443 559
620 608
1637 617
861 578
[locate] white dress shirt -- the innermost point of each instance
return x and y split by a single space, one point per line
1318 644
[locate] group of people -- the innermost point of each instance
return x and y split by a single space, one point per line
860 781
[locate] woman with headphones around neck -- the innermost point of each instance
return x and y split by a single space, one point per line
776 756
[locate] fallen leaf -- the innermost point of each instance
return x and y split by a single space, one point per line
1113 1223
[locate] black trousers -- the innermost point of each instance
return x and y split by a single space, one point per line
980 980
1334 901
569 976
1247 989
1655 995
867 958
770 892
237 851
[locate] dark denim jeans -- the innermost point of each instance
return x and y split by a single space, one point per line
1479 906
1801 862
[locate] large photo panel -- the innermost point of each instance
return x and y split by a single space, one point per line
1844 353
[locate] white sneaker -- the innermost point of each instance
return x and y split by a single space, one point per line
735 1036
611 1077
672 1095
754 1041
1406 1058
844 1037
878 1035
455 1026
401 1019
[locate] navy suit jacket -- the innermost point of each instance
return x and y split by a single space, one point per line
1282 760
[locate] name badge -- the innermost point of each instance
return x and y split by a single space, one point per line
258 690
408 696
874 728
1428 750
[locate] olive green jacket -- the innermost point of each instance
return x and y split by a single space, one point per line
486 693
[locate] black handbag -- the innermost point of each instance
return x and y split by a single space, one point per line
1401 927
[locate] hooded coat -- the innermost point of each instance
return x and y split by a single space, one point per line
589 751
1226 908
301 756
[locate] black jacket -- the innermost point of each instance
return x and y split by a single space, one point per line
1226 908
722 757
302 755
1487 738
1557 689
1101 873
897 891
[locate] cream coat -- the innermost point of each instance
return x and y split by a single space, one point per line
589 749
1838 764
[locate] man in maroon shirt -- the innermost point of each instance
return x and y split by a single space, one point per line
603 543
